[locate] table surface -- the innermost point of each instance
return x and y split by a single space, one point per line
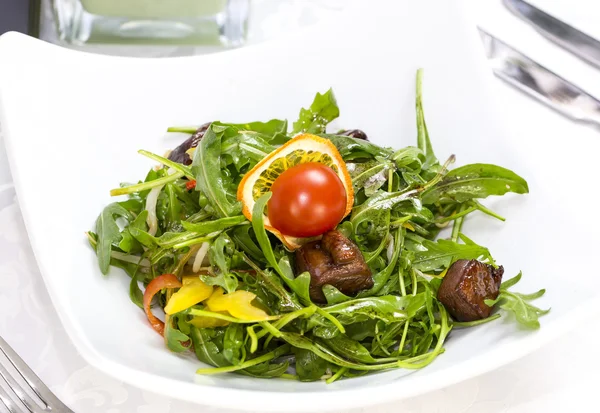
558 377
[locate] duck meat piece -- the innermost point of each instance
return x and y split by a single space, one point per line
354 133
179 154
465 287
334 260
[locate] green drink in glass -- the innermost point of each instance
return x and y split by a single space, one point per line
190 22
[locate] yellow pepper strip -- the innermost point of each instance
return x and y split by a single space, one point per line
191 293
407 225
237 303
208 322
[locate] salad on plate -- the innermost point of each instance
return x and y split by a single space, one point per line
298 253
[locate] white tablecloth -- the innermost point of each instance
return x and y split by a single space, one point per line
562 376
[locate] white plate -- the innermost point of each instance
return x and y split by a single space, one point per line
74 121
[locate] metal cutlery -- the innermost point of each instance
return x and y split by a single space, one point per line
28 394
539 82
566 36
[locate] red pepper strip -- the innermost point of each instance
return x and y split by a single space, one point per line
190 185
157 284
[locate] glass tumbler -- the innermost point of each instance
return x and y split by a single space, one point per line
152 22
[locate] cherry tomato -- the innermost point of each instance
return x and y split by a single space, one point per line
308 200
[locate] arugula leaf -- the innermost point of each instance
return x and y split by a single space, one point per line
175 339
511 281
371 219
349 349
300 284
241 236
333 295
207 227
389 308
246 148
302 342
128 243
205 347
526 314
220 255
380 201
233 341
272 128
273 283
323 110
370 175
352 148
409 159
382 276
472 181
267 369
439 255
325 330
133 205
210 178
108 233
135 293
309 366
173 209
263 240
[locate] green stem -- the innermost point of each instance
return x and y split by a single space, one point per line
288 318
337 375
488 211
429 357
195 241
183 129
186 171
253 339
203 313
331 318
403 339
401 280
414 282
145 185
464 324
399 221
440 175
258 360
270 329
457 226
455 216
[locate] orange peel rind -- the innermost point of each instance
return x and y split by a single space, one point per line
303 148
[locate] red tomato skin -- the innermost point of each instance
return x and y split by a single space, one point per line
308 200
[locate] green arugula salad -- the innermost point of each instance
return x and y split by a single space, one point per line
298 253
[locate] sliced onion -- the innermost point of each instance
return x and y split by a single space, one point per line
390 248
151 202
200 255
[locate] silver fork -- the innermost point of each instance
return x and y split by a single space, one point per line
24 402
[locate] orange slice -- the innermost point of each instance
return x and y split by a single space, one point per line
302 148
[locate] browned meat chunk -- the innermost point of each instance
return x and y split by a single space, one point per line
179 154
355 133
465 287
335 260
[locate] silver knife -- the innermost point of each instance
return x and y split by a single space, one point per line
539 82
566 36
